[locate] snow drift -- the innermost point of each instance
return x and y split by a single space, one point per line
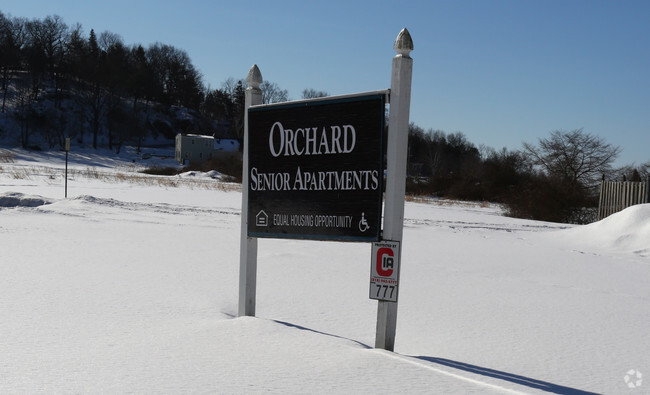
627 231
16 199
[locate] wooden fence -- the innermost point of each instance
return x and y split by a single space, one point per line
618 195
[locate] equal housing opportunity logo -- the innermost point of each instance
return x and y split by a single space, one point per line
633 378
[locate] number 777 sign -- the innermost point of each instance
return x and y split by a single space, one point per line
384 271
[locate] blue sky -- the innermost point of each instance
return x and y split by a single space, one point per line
501 72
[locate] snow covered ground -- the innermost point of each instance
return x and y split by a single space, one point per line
130 285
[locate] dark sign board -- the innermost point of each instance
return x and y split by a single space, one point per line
316 169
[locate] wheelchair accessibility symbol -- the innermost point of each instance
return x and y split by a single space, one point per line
363 224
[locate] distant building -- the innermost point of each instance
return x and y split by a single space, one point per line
197 148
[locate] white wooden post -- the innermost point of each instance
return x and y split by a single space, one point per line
398 123
248 246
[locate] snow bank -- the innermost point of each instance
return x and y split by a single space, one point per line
626 231
15 199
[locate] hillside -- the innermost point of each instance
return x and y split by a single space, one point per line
53 116
57 81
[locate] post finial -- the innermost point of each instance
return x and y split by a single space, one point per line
254 78
403 43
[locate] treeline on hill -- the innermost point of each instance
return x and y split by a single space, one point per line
57 81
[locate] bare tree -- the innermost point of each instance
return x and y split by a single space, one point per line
48 39
576 157
23 109
12 40
229 86
109 39
49 36
94 102
271 93
313 93
644 170
633 172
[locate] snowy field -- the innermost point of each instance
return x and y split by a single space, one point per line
131 285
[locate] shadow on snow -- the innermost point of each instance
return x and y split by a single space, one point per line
497 374
513 378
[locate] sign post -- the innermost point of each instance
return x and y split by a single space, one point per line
248 246
398 122
67 149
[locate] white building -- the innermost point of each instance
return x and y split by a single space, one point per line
196 148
